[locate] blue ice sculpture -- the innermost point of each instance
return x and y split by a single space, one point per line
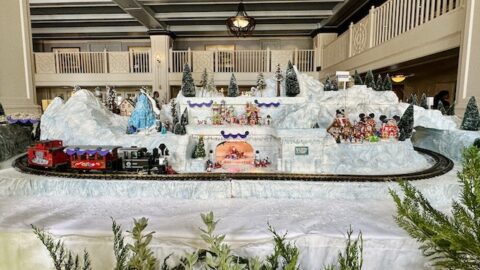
143 116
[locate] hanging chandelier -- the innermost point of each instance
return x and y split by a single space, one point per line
241 25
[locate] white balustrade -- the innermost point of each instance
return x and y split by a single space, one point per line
241 61
384 23
92 62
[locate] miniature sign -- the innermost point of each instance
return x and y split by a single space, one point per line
343 76
301 151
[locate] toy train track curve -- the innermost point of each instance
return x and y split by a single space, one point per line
442 165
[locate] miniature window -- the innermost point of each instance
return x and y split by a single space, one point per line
91 157
100 157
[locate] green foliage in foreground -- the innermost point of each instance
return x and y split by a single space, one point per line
218 255
449 241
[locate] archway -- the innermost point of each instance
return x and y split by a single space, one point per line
232 154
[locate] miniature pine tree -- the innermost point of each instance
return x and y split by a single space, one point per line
112 100
387 83
173 106
211 85
204 80
2 111
334 85
405 125
471 118
199 151
441 108
370 80
188 86
184 118
423 101
279 78
357 78
179 129
448 240
379 83
292 86
476 143
233 90
414 100
261 84
451 110
327 86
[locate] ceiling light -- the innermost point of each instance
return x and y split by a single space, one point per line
241 25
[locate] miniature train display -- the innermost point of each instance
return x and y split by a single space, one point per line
52 154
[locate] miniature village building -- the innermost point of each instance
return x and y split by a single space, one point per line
126 107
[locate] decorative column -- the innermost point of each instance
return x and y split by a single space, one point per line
320 41
469 66
17 88
160 44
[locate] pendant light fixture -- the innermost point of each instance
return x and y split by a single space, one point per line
241 25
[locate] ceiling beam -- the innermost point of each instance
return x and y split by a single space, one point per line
143 14
220 2
255 14
73 17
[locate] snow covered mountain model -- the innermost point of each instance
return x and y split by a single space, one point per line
270 130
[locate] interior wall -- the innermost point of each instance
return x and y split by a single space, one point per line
433 78
281 43
90 45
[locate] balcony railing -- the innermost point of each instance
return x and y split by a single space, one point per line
92 62
384 23
242 60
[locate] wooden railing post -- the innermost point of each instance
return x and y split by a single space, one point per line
295 57
170 60
350 40
189 57
268 66
105 63
57 63
372 27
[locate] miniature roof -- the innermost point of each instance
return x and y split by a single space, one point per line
89 149
129 101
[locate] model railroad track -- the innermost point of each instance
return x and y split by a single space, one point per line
441 166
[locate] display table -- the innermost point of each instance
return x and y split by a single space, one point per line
316 215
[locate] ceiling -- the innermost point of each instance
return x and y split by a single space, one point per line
75 19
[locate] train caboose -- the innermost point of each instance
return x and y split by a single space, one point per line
47 154
103 158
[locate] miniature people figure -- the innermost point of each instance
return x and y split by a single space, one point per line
268 121
164 129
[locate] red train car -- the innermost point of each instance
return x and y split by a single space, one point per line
93 157
47 154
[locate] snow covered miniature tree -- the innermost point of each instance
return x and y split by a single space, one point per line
405 125
370 80
204 80
292 87
441 108
379 83
357 78
184 118
173 108
413 99
188 86
199 151
76 88
179 129
471 118
261 84
278 78
233 90
142 116
112 100
211 85
327 86
387 83
451 110
423 101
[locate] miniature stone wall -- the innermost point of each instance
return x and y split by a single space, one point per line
14 139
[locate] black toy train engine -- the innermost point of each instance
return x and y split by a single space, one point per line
139 159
